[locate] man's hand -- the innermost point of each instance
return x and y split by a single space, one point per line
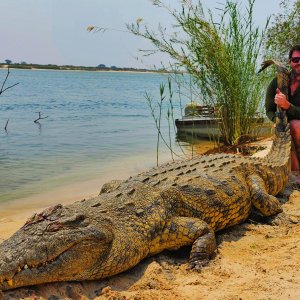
280 100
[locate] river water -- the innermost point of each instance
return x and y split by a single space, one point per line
96 123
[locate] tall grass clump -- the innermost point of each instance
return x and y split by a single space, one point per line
222 58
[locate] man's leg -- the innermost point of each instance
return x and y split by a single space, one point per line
294 162
295 152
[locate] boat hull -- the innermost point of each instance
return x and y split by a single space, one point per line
208 128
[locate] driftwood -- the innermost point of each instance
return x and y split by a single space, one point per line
5 128
39 118
3 89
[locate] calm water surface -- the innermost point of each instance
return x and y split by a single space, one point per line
97 122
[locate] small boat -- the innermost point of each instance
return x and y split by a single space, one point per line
200 121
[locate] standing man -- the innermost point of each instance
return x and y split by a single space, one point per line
274 97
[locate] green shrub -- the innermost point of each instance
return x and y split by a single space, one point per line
222 58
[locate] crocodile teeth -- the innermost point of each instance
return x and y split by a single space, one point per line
26 267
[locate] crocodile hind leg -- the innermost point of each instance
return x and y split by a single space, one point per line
267 204
182 231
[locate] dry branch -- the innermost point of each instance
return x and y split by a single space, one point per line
3 89
39 118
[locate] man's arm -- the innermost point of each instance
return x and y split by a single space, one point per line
269 101
292 110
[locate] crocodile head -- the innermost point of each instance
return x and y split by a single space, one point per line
58 244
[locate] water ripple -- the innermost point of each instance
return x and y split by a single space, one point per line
93 118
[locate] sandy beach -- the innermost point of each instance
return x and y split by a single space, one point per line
254 260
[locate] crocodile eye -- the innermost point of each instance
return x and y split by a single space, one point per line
73 220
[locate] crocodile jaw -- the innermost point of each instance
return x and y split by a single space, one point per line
73 261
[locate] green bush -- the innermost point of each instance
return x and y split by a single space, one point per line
222 58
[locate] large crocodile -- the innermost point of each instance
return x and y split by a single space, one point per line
177 204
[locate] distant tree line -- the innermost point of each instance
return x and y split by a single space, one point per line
100 67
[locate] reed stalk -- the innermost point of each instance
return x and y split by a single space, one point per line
221 57
157 117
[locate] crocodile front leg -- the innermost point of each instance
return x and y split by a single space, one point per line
182 231
267 204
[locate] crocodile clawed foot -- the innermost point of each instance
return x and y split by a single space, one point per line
281 219
198 264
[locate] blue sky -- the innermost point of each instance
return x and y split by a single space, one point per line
54 31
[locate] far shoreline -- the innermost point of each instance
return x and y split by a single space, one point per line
86 71
80 68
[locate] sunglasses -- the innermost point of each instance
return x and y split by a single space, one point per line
295 60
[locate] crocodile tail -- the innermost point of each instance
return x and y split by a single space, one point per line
282 124
267 63
283 84
282 142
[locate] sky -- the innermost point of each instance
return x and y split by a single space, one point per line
54 31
